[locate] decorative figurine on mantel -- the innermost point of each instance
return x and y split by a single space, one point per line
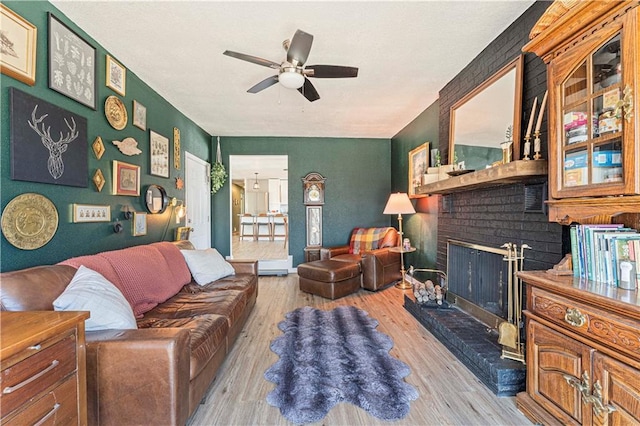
536 140
506 145
527 136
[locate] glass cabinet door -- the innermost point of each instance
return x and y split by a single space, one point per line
592 141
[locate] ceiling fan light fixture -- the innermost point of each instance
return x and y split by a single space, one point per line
291 78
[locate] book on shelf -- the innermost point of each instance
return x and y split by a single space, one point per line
606 253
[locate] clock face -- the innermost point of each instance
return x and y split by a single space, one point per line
314 195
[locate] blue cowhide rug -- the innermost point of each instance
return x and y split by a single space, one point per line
328 357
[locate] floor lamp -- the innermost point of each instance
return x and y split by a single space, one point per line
400 203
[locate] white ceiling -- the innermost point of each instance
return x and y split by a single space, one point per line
406 51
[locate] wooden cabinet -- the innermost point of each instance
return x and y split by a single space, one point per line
43 377
583 352
592 55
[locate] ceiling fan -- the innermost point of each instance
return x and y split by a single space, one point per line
292 72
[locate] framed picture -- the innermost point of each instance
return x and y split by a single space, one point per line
48 143
182 233
159 152
139 115
314 226
91 213
72 64
139 224
126 178
18 59
418 163
116 76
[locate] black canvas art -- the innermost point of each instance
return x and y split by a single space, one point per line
48 143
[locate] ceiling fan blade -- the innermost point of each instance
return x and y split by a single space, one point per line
267 82
299 48
308 91
252 59
330 71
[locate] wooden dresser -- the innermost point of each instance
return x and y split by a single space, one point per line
43 377
583 352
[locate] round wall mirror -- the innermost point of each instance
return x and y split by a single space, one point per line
156 199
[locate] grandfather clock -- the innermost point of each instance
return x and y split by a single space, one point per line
313 198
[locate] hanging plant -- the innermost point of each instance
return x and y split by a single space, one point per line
218 172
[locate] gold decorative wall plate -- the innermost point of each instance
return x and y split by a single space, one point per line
29 221
116 112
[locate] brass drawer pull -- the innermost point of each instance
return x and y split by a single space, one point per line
10 389
49 414
574 317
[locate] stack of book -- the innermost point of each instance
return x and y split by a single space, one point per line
607 254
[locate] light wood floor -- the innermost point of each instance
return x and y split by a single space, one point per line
263 250
449 393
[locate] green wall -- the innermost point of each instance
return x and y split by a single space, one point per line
73 239
356 189
421 228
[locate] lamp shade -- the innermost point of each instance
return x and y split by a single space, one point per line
399 203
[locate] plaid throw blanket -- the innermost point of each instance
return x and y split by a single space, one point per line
366 239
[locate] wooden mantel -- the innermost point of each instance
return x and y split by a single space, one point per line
513 172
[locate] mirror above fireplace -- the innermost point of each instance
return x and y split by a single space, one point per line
479 120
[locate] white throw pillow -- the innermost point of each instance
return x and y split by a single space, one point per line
207 265
90 291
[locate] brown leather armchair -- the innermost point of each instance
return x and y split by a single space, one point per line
379 266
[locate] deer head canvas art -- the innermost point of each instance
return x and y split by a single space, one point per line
48 143
56 148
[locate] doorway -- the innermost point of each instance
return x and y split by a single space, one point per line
259 205
198 200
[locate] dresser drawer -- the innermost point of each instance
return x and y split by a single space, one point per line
622 334
26 379
57 407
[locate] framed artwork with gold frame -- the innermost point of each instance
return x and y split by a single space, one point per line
418 163
18 59
126 178
182 233
139 224
91 213
116 76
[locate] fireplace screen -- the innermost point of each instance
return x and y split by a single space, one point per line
479 276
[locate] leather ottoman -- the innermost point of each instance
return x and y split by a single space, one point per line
329 278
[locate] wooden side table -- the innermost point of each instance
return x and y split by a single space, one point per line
43 377
311 253
404 284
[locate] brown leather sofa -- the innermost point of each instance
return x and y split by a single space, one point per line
379 266
156 374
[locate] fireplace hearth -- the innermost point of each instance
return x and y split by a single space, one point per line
474 344
478 282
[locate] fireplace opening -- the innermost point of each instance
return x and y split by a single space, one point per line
478 280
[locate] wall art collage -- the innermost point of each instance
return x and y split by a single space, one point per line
50 144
